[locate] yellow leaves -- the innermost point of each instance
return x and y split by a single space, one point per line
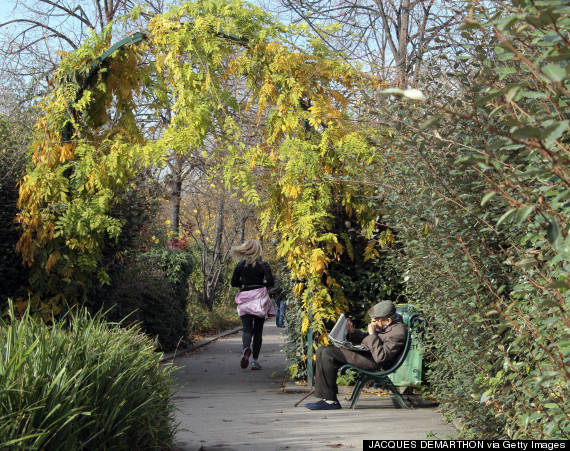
20 306
318 262
50 308
305 325
314 122
74 244
195 74
66 152
51 261
386 237
291 191
370 251
91 182
25 247
342 99
258 152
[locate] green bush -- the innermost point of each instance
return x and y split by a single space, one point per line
151 290
365 281
481 208
201 319
296 349
13 159
82 384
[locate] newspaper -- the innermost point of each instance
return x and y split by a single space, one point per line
338 336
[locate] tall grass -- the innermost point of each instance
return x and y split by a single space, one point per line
82 384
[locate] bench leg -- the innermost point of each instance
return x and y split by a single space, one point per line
397 395
356 385
360 383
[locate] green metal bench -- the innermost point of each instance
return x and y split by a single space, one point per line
382 378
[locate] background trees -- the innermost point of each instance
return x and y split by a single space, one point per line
391 39
215 222
38 31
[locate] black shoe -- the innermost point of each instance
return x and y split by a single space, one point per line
323 405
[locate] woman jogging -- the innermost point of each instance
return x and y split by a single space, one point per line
253 277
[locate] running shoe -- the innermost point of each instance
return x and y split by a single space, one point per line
245 358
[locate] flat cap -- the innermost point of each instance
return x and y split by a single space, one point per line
384 309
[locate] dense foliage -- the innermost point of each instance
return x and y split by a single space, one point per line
82 384
150 289
15 135
480 204
198 72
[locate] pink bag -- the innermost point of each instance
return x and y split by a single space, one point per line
255 302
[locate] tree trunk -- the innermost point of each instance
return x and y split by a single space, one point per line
175 196
213 276
243 221
403 36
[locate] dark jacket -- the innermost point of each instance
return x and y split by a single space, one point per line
385 346
251 277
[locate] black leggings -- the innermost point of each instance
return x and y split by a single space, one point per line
252 328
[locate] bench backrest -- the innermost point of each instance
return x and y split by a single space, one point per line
408 372
407 318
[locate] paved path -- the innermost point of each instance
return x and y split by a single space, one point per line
223 407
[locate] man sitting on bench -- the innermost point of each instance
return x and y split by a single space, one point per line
385 340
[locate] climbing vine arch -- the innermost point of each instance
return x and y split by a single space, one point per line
303 102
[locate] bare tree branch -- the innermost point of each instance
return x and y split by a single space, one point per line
389 37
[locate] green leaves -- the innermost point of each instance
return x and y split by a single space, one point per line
72 383
523 213
487 197
554 73
554 131
506 216
492 276
553 231
431 122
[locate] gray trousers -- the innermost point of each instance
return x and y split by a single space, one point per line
329 360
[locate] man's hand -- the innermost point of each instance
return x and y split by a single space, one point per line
372 328
349 326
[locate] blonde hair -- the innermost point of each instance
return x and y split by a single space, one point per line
250 251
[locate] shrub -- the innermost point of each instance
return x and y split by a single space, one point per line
296 349
13 159
151 290
201 319
482 209
82 384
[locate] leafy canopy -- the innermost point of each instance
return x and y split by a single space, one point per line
209 65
